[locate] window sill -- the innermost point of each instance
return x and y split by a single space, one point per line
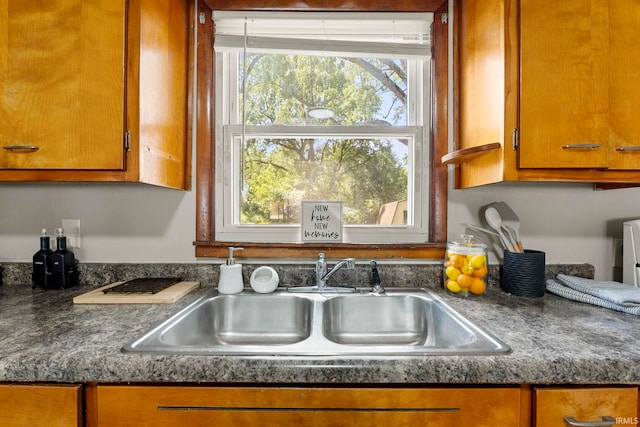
310 250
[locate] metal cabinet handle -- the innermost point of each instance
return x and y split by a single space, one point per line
576 146
606 421
628 149
23 148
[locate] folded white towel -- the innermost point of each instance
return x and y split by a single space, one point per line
616 292
558 288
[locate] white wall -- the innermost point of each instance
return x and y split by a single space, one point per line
135 223
120 222
571 223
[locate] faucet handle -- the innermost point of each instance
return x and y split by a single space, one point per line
350 263
376 283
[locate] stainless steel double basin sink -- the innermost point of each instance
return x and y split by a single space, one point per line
398 322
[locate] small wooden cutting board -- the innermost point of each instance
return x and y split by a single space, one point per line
171 294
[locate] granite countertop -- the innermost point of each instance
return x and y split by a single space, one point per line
45 337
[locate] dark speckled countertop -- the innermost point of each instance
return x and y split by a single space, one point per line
45 337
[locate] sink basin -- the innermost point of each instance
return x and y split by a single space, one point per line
242 320
399 322
402 320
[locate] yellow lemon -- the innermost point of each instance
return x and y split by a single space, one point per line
467 268
452 285
452 272
477 261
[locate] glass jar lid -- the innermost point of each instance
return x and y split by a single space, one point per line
467 246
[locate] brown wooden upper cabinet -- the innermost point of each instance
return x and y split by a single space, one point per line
546 91
95 91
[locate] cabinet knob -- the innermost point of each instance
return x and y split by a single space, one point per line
606 421
578 146
21 148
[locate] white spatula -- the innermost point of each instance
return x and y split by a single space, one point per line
495 221
509 219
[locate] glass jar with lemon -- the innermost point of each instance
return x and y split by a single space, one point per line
465 267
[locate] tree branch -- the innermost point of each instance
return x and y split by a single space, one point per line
381 77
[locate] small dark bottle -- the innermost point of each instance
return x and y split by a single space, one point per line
40 276
62 265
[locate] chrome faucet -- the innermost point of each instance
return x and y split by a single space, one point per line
321 269
322 275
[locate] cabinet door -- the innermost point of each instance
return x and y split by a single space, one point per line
624 92
564 84
62 84
552 405
33 405
206 406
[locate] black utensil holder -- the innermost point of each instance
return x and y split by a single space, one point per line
523 274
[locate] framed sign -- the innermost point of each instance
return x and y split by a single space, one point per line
321 222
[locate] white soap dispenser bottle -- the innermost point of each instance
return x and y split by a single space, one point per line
230 281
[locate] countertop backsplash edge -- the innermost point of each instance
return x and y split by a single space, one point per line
401 275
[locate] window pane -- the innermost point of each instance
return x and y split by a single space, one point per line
369 175
322 90
307 121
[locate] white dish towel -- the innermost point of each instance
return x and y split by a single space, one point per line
614 295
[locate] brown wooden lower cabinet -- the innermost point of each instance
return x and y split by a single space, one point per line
170 405
41 405
585 406
158 406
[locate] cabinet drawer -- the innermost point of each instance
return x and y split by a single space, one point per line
591 404
205 406
33 405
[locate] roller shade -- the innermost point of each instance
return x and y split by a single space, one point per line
382 35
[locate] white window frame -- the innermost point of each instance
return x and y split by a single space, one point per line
229 131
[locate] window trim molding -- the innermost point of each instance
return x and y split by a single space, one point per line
204 113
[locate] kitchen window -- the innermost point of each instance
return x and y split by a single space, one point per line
321 106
